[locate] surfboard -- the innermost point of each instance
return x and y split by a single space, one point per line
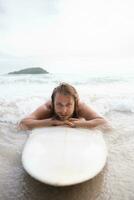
62 156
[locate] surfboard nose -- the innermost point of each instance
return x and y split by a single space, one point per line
64 156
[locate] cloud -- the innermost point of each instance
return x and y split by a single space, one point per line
2 11
2 15
59 30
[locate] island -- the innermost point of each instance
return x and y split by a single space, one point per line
33 70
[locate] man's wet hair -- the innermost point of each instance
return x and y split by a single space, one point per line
66 89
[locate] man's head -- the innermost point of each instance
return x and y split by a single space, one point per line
65 101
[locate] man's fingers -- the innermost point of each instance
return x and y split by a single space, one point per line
70 124
57 123
67 122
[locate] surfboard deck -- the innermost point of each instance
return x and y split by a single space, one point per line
62 156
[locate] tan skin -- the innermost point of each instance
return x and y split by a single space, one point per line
64 107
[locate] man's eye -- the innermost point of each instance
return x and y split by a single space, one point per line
59 105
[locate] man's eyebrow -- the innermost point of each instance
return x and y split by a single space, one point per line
70 103
60 103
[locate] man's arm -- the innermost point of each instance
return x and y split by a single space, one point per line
38 118
28 124
42 117
88 118
88 123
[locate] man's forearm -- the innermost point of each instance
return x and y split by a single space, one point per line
29 123
33 123
91 123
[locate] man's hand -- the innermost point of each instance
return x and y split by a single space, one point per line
56 122
76 122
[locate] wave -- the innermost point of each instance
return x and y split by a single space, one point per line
106 106
13 79
56 78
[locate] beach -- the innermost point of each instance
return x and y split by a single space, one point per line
111 96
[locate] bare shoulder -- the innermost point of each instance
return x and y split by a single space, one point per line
87 112
42 112
48 105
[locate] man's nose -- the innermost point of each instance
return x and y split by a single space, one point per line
64 109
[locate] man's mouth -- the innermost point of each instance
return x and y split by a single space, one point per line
63 116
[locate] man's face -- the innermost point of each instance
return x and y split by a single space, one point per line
64 106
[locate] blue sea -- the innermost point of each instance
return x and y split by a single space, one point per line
110 95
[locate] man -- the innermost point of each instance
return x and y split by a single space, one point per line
64 109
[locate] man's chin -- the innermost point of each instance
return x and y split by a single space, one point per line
63 118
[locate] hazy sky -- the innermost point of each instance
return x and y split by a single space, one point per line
67 35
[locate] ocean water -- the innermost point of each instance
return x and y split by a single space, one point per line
111 96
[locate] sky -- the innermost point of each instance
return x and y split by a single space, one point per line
67 35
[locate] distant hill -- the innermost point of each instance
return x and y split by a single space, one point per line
33 70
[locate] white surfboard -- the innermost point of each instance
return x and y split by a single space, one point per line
62 156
